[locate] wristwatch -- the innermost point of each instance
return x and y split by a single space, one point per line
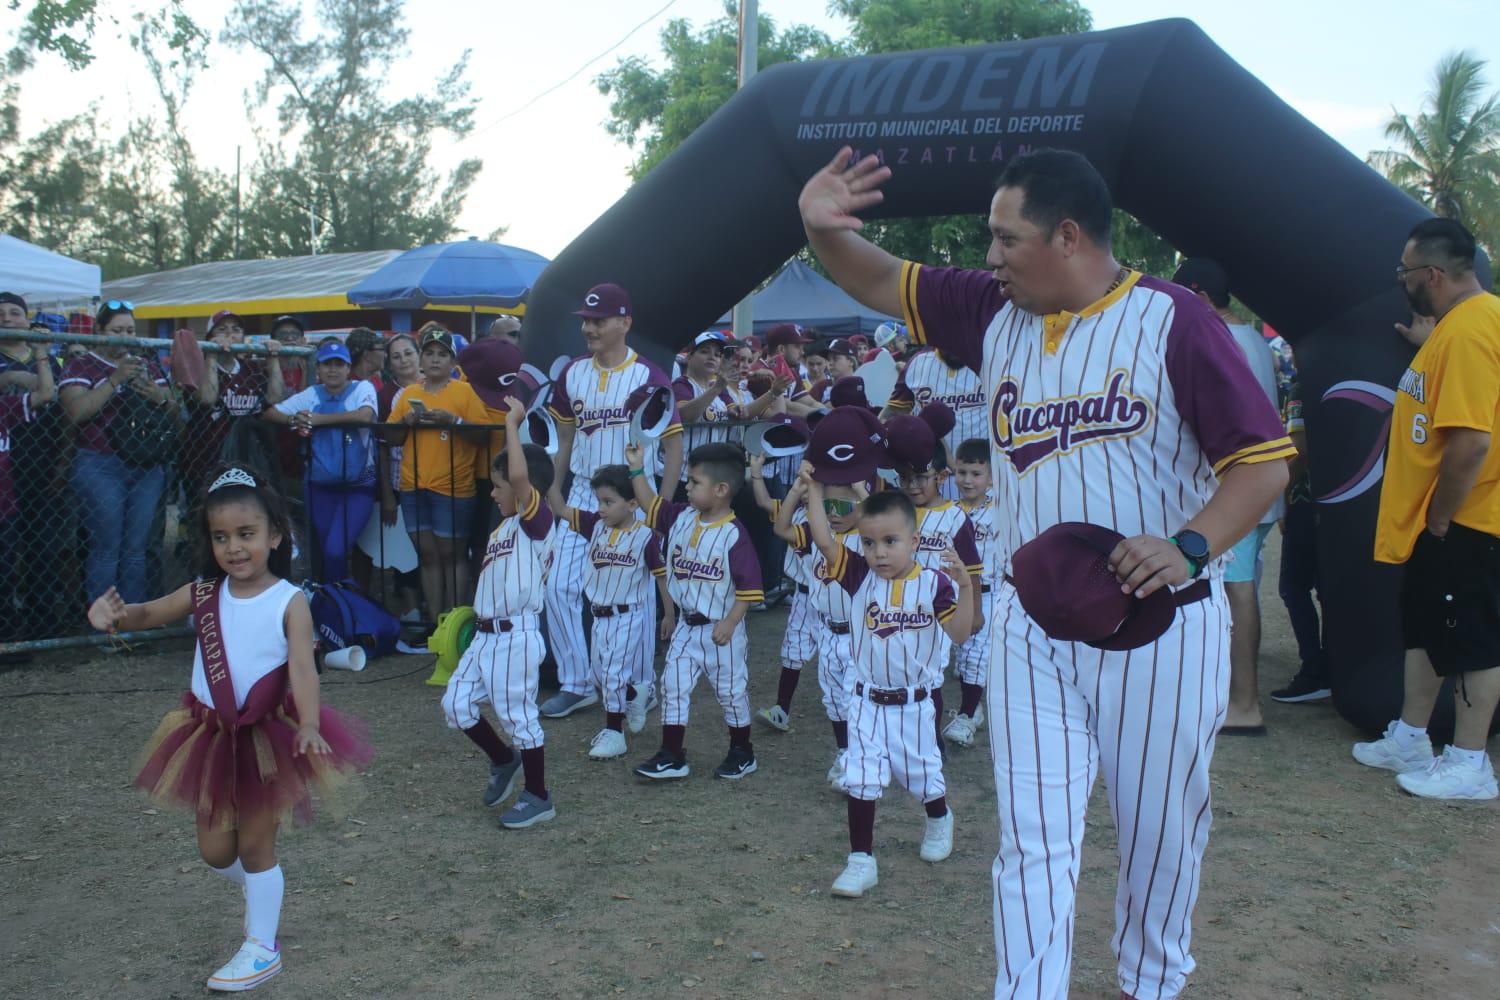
1194 548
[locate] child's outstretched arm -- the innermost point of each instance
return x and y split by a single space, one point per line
299 658
635 458
783 523
818 528
762 495
110 613
515 454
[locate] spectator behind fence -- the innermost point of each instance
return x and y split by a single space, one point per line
295 372
127 431
234 388
340 487
1208 280
21 403
404 367
437 469
1439 518
367 351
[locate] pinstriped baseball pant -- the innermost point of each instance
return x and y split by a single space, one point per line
1061 712
803 625
692 654
499 668
619 644
564 602
892 743
835 656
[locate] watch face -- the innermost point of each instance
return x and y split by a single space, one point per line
1193 545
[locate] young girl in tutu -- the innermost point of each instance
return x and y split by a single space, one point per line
238 751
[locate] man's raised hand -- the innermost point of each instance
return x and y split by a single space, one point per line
834 194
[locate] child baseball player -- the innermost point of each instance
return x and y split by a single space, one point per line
713 577
624 556
500 666
803 627
907 619
971 473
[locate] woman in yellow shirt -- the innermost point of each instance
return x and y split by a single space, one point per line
437 462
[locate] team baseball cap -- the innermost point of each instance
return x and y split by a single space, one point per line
712 337
442 337
846 446
491 366
786 333
604 301
912 444
282 321
887 332
221 316
334 350
777 437
1199 274
1063 580
848 391
844 347
651 411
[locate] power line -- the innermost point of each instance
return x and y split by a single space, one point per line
573 75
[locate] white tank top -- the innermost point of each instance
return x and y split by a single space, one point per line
254 631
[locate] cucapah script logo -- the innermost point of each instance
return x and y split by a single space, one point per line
1033 432
503 547
695 570
886 622
591 419
953 400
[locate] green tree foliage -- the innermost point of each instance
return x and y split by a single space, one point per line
1448 155
652 111
67 27
355 176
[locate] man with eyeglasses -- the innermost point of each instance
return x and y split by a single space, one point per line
1440 517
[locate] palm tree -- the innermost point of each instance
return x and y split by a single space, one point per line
1448 156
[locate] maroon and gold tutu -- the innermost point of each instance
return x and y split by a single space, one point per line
222 772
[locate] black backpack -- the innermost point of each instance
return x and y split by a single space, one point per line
141 433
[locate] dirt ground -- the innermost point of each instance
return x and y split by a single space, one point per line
1322 878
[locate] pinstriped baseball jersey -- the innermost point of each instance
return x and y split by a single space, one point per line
795 565
928 377
939 526
593 399
709 565
898 639
621 561
1123 415
708 427
515 563
829 599
987 537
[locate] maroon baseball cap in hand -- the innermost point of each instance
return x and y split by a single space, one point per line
913 444
847 446
777 437
786 333
1063 580
848 391
939 417
604 301
651 412
491 366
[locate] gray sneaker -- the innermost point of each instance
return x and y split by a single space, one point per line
528 811
565 703
502 781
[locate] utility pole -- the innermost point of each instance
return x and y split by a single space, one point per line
236 203
744 313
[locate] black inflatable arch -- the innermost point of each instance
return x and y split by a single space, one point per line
1190 143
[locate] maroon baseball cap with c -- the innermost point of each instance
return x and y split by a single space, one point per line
603 302
786 333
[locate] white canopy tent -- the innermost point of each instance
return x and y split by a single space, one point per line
44 278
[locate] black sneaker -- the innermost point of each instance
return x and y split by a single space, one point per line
664 765
739 762
502 781
1308 685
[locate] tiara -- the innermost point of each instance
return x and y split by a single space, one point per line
234 477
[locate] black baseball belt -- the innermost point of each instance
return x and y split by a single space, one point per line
694 619
610 610
890 696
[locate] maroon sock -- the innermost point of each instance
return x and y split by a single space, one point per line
671 739
937 712
485 738
630 692
970 695
861 826
937 808
534 767
615 721
786 687
739 736
841 734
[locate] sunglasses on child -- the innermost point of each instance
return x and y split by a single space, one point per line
120 304
836 507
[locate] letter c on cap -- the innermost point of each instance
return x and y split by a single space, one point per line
841 452
591 299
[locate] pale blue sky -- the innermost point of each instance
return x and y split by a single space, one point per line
552 169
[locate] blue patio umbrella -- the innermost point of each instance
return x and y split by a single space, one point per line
467 273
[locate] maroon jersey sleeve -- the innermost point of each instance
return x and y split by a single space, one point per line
967 547
744 568
654 561
950 308
662 514
1215 391
684 390
945 600
536 518
561 403
848 570
582 521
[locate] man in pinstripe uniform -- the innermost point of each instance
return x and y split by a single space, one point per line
589 403
1118 400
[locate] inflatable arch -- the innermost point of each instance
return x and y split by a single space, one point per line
1189 142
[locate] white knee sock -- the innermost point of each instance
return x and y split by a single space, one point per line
263 891
234 873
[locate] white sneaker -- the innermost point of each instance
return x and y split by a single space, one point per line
607 744
859 876
836 773
776 718
637 707
252 965
1449 777
937 839
960 728
1388 753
